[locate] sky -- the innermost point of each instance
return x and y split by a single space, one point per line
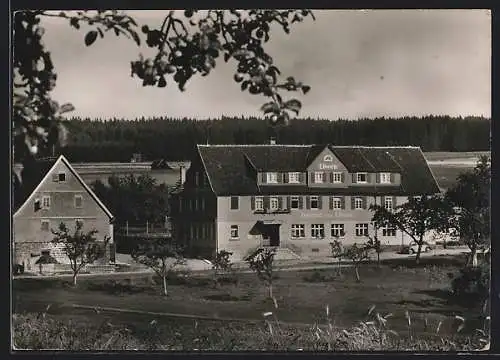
358 63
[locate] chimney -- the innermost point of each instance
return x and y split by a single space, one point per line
183 174
272 141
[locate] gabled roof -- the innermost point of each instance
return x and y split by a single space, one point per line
41 169
230 167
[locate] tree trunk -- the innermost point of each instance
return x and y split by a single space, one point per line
378 259
339 267
74 278
165 293
419 251
358 279
472 260
270 291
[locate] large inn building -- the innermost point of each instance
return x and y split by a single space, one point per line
294 197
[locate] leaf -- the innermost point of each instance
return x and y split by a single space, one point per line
293 105
305 89
269 107
101 33
66 108
244 85
90 38
135 36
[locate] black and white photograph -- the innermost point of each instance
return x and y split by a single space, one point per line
260 180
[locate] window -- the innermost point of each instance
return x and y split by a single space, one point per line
274 203
79 221
361 177
337 203
272 178
388 231
294 202
78 201
337 177
259 203
196 179
318 230
358 203
61 177
328 158
45 225
294 177
362 229
338 230
385 178
388 203
46 202
318 177
37 205
298 231
234 202
314 202
234 232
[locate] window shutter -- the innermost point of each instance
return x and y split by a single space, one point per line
331 177
394 204
342 200
320 202
280 178
301 202
55 178
369 177
286 178
365 201
311 176
354 178
331 202
308 202
252 202
301 177
324 177
352 202
377 178
392 178
288 202
263 178
382 199
280 202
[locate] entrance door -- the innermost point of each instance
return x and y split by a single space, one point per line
274 235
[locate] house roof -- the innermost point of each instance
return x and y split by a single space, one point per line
34 174
231 168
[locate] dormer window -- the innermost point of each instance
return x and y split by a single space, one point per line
294 177
361 177
272 178
385 178
328 158
318 177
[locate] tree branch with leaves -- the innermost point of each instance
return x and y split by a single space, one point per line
81 248
415 218
161 255
469 208
185 45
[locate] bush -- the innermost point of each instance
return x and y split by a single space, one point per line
472 284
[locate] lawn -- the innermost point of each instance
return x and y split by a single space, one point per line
445 155
301 296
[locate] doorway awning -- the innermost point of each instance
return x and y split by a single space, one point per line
260 226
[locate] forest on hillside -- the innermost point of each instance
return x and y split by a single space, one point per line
98 140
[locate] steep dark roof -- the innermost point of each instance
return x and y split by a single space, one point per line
31 175
231 168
